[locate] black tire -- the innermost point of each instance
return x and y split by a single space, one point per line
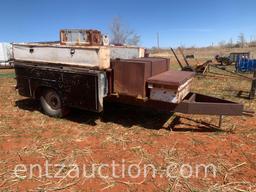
52 104
188 68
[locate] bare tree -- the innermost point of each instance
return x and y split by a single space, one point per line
121 34
134 40
241 40
222 44
252 42
230 43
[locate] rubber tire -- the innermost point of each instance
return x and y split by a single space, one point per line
188 68
50 109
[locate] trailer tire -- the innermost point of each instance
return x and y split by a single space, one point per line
52 104
188 68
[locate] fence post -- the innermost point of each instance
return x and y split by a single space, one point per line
253 88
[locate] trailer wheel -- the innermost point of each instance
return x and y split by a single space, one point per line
188 68
52 104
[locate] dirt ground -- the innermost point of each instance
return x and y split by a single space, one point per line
128 135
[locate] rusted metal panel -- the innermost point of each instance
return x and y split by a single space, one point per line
80 37
159 65
130 75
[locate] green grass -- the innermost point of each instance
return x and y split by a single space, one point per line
7 75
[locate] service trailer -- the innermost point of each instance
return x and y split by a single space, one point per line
84 75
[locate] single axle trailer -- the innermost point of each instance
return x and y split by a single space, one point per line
84 76
59 87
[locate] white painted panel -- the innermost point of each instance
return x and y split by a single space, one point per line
2 55
88 57
102 88
126 52
170 95
165 95
5 52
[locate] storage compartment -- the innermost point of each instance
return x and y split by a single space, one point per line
97 57
87 56
126 52
78 87
158 64
130 75
170 86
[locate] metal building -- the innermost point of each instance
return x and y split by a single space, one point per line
5 54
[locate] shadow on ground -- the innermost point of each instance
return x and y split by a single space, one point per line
127 116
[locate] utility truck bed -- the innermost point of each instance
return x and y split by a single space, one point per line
96 57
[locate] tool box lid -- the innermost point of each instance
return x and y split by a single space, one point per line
171 78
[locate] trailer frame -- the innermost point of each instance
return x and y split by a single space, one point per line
83 82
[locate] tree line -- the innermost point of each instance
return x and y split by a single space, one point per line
241 42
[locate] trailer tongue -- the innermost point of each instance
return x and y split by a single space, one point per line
195 103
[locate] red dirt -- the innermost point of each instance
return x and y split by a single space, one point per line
122 133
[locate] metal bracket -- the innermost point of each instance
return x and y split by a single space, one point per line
220 120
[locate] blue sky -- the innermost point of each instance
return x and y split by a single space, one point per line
179 22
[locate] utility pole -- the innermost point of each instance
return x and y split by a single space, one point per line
157 40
